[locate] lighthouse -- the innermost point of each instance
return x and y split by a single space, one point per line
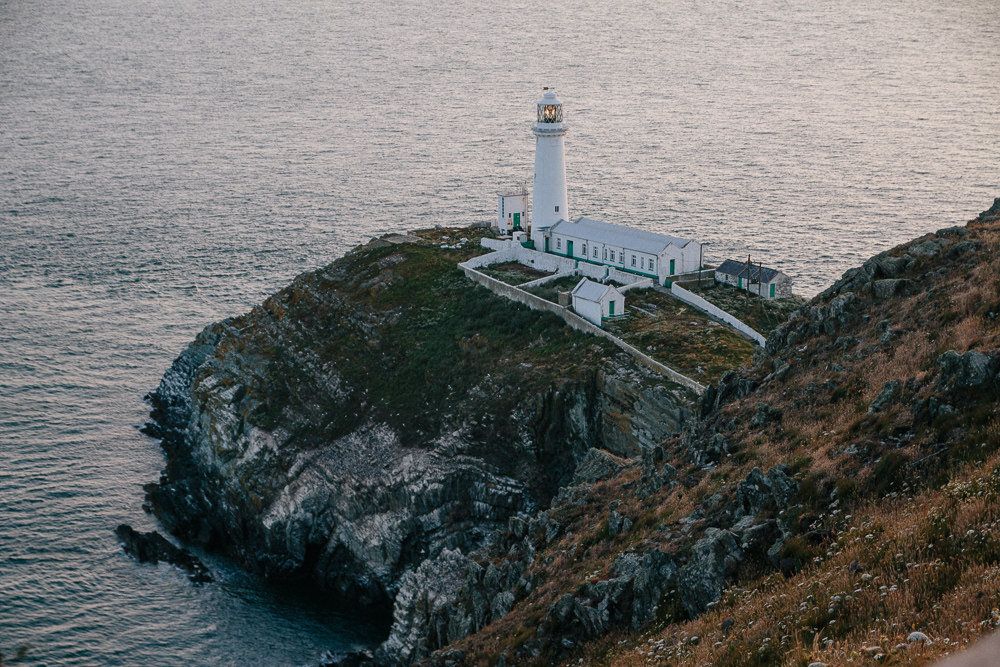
548 197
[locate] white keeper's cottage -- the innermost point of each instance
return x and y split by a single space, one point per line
596 302
768 283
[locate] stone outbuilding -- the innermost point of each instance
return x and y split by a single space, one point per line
768 283
596 302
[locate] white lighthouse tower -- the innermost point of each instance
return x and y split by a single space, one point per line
548 197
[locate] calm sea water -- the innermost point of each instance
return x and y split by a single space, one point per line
167 164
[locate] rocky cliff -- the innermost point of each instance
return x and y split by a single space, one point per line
837 501
384 412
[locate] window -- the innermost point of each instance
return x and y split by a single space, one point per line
557 209
652 265
595 253
583 250
605 254
633 260
642 262
558 244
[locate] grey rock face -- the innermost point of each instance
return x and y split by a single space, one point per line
356 512
713 558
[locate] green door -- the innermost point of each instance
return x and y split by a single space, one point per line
517 221
611 308
546 244
569 248
671 267
741 283
772 291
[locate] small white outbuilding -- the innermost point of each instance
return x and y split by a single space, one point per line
596 302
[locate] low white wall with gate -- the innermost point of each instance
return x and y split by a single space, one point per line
716 312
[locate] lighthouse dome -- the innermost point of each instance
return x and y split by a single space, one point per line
550 109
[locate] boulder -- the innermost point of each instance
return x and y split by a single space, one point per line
618 524
651 574
764 416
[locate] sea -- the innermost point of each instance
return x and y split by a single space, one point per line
167 164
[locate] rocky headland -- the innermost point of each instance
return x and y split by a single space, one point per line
385 412
524 494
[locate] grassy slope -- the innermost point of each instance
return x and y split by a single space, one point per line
680 336
917 506
413 343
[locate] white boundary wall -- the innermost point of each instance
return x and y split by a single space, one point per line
572 319
716 312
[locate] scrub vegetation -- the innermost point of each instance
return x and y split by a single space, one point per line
401 322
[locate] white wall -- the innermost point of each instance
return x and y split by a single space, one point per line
716 312
588 310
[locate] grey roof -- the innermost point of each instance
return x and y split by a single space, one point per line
617 235
588 290
739 270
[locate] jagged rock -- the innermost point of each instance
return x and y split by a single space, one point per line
731 387
597 465
992 213
424 607
972 369
651 575
761 537
764 416
154 548
759 492
618 524
713 558
885 397
928 247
